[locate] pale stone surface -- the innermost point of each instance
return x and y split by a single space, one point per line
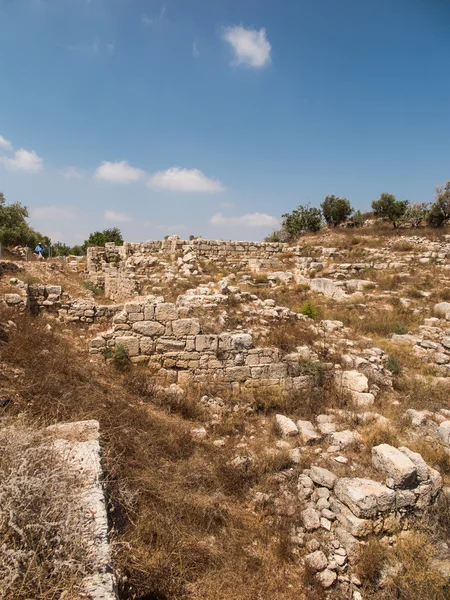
418 462
364 497
311 519
444 432
308 432
316 561
130 343
345 438
323 477
183 327
441 309
326 578
149 328
353 524
355 381
285 426
396 465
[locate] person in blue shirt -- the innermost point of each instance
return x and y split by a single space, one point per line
39 250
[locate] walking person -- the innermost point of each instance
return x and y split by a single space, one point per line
39 250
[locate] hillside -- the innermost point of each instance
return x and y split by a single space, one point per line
255 420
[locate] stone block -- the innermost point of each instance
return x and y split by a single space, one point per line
308 432
353 524
400 471
444 432
149 328
311 519
364 497
285 426
133 317
166 312
182 327
149 312
147 345
130 343
355 381
241 341
418 462
206 343
323 477
237 373
133 307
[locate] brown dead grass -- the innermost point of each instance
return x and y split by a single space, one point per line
42 555
181 528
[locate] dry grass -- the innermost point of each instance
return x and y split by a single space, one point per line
433 454
179 509
404 572
287 336
41 553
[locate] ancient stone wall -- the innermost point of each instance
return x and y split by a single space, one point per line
161 333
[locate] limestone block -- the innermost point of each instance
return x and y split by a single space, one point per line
206 343
326 578
398 468
168 344
182 327
345 438
149 312
441 309
323 477
444 432
364 497
353 524
133 307
98 342
237 373
311 519
130 343
285 426
147 345
278 371
166 312
316 561
418 462
404 498
12 299
133 317
149 328
240 341
355 381
308 432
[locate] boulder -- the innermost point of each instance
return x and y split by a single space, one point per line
399 469
326 578
345 438
285 426
364 497
316 561
444 432
328 288
311 519
441 309
149 328
418 462
323 477
353 524
355 381
308 432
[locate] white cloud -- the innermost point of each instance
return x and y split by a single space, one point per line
195 51
184 180
45 213
5 144
118 217
118 172
248 220
23 161
251 47
72 173
146 20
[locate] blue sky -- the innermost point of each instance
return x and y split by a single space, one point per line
214 117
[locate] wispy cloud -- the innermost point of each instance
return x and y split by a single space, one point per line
249 220
251 47
184 180
72 173
5 144
92 48
149 21
44 213
118 172
117 217
23 160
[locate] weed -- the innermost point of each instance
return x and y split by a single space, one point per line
308 310
97 291
393 365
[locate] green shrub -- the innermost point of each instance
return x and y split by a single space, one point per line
309 310
393 365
